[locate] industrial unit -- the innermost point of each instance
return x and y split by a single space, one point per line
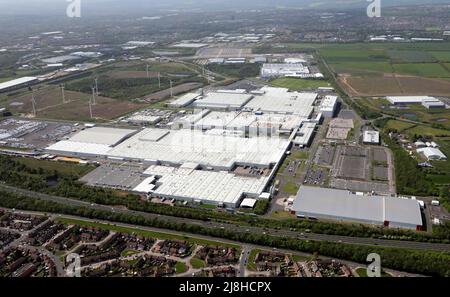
189 184
371 137
426 101
175 147
305 135
17 83
282 100
223 154
184 100
342 205
328 106
283 70
249 123
222 100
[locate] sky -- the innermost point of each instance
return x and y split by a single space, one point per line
152 7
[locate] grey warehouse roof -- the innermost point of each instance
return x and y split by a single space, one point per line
346 205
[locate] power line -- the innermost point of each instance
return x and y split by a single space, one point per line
96 85
63 94
33 103
93 96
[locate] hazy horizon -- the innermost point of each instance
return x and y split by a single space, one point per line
152 7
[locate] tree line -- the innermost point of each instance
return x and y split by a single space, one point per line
55 183
431 263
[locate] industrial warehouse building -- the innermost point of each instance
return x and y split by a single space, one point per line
92 142
184 100
187 183
224 154
371 137
282 70
426 101
222 100
341 205
17 83
328 106
282 100
305 134
176 147
249 123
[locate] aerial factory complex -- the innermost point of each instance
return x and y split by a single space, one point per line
248 139
221 154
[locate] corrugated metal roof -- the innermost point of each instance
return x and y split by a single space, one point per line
346 205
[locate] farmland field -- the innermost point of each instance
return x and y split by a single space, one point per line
398 125
394 85
402 56
128 80
428 131
362 68
376 69
49 105
422 69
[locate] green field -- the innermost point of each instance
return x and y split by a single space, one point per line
181 267
398 125
251 265
422 69
64 168
197 263
443 56
377 59
290 188
297 84
404 56
362 68
127 81
427 131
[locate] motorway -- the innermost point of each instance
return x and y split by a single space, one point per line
235 227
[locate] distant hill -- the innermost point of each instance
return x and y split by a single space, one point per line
149 7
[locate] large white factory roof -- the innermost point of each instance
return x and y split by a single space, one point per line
16 82
341 204
272 70
281 100
243 121
102 135
409 99
79 148
207 186
180 146
220 100
184 100
215 119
